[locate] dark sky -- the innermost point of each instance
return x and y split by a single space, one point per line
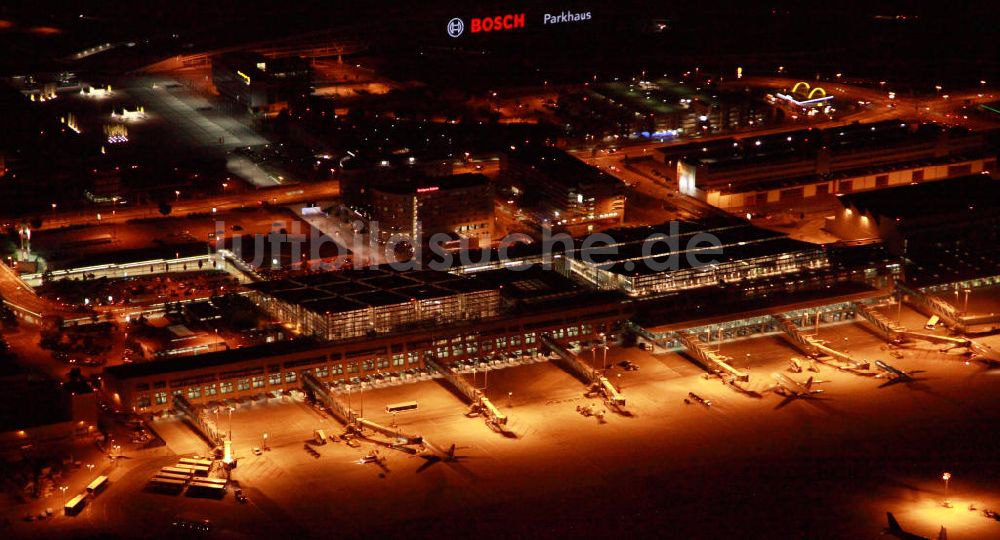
937 39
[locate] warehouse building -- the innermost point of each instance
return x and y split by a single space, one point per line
795 165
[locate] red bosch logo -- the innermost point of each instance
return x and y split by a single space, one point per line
510 21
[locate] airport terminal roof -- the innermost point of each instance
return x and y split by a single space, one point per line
530 283
338 292
710 305
738 241
181 364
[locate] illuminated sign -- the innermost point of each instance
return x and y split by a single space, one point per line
565 17
496 23
427 189
244 76
802 89
455 27
808 102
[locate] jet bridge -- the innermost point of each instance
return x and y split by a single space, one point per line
597 382
817 349
480 404
352 421
709 359
193 415
892 331
925 303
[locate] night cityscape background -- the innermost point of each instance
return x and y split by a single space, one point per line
448 269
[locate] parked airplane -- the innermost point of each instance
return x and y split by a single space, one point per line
894 373
792 388
895 530
983 353
447 456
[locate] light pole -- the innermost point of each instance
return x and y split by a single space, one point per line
946 477
63 489
604 348
965 307
231 409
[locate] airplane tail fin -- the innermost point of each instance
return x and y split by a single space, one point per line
809 383
893 524
451 451
943 535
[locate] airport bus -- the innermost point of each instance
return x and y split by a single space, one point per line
97 485
401 407
168 483
172 476
76 504
197 470
216 481
204 486
177 470
199 462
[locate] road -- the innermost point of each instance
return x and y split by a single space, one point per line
926 108
277 195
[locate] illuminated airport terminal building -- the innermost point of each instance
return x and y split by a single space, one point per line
333 306
363 323
533 304
693 256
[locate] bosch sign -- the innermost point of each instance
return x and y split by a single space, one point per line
496 23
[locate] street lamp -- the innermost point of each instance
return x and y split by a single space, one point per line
177 194
946 477
604 348
63 489
965 307
231 409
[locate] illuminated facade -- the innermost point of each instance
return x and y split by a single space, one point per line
272 368
346 305
664 259
460 204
